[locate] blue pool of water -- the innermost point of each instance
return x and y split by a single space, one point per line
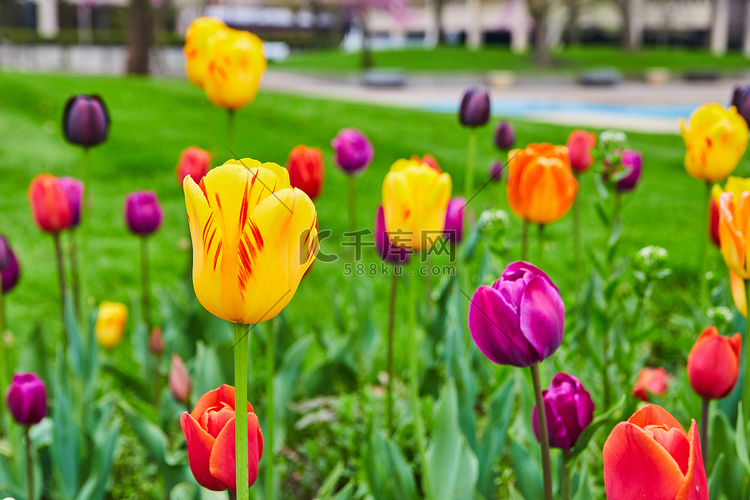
520 108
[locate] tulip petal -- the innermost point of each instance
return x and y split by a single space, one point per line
223 462
200 444
637 467
542 316
654 415
219 397
738 293
695 486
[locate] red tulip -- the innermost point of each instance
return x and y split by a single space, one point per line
50 206
210 435
713 216
195 162
650 380
580 143
306 171
429 160
714 364
650 456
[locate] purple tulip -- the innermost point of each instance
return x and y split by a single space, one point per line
496 171
387 250
475 108
10 272
520 319
27 399
74 190
569 410
741 101
85 120
454 220
632 163
143 214
505 136
353 151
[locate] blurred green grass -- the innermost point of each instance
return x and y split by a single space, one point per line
570 60
154 119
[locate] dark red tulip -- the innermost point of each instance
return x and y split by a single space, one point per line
85 120
741 101
475 108
505 136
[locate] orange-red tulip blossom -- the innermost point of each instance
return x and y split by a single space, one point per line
306 170
650 381
714 364
50 205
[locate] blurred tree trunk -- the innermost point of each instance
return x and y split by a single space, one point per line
746 40
539 10
720 27
439 21
140 36
632 25
572 30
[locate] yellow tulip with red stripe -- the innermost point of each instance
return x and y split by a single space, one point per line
415 199
254 236
541 184
235 68
198 47
734 230
716 138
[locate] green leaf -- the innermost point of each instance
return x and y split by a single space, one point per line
528 472
66 445
75 351
451 464
715 479
388 475
207 374
328 487
492 442
285 382
740 441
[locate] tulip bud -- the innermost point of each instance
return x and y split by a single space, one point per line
475 108
580 143
85 120
650 381
179 380
386 249
454 220
306 171
50 206
569 410
11 272
110 323
74 190
741 101
156 342
496 171
428 160
4 253
520 319
27 399
143 214
505 136
195 162
713 364
632 162
353 151
714 216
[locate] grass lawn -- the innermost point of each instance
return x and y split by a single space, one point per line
569 60
154 119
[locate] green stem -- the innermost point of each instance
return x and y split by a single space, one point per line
704 253
352 203
75 277
428 284
540 244
525 241
29 464
543 434
564 476
704 429
414 389
145 286
389 365
270 368
470 155
61 280
240 405
746 341
157 382
84 230
605 365
577 237
230 129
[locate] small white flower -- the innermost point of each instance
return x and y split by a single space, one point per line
493 220
652 255
720 313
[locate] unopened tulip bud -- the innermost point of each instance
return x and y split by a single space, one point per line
569 410
10 273
110 323
454 220
50 206
496 171
741 101
27 399
505 136
632 162
713 365
179 380
85 120
4 253
650 381
143 213
714 216
580 144
475 108
306 170
74 190
353 151
156 342
195 162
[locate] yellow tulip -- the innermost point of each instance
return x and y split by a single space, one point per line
199 38
254 237
236 66
415 199
110 323
738 293
734 185
716 138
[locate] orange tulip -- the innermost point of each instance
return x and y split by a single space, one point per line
50 206
541 185
650 381
650 456
734 228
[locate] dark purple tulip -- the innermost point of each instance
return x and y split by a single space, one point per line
505 136
4 253
454 219
27 399
74 190
387 250
632 162
569 410
520 319
353 151
85 120
496 171
741 101
143 214
475 108
11 272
